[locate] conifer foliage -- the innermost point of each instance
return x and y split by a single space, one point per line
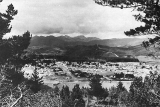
11 77
5 20
77 96
96 87
35 82
150 18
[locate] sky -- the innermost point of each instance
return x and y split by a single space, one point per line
70 17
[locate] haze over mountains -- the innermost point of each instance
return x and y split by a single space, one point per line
87 46
61 41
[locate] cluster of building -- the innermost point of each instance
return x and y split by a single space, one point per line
107 70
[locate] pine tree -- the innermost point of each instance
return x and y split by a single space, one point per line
113 95
76 92
96 87
12 74
5 20
138 93
35 82
151 18
120 87
106 93
65 93
66 97
56 90
77 97
10 71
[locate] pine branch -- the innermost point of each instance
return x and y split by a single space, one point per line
15 102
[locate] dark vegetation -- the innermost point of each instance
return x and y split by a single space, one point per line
12 80
140 94
81 74
122 77
151 9
121 51
82 53
17 91
35 82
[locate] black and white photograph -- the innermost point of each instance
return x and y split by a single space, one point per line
79 53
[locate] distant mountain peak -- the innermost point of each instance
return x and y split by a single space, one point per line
66 40
81 37
66 36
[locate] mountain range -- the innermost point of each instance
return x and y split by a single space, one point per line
81 38
87 46
63 41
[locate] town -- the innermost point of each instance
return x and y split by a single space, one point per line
70 73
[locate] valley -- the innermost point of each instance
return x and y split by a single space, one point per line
60 73
87 47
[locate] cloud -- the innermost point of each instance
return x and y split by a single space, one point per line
71 17
48 30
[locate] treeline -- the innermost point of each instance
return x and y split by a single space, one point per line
80 59
120 59
140 94
122 75
81 53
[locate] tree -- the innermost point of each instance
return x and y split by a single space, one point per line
122 93
14 45
65 93
106 93
113 95
5 20
56 90
35 82
77 96
151 9
65 96
120 87
118 95
96 87
139 94
10 72
76 92
124 98
67 103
